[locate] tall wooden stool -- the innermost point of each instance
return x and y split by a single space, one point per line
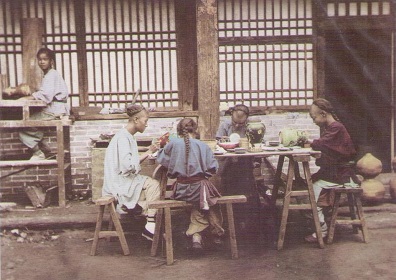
354 202
294 160
103 202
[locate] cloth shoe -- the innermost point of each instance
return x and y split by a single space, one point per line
135 212
44 147
313 238
197 242
38 155
218 240
149 229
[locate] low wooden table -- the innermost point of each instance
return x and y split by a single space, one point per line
294 156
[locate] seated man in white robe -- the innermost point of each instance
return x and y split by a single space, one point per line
122 180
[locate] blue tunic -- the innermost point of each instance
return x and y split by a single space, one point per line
192 184
201 161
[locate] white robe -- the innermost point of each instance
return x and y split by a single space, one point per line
121 169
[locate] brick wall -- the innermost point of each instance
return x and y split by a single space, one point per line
82 133
12 149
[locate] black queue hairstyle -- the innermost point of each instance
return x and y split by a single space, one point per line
326 106
134 109
184 127
50 53
238 107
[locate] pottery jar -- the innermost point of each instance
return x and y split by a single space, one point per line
369 166
255 131
392 189
373 191
291 137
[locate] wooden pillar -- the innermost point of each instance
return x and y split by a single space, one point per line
208 68
186 41
81 52
393 81
32 41
3 84
319 51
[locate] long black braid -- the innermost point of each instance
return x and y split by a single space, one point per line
326 106
184 127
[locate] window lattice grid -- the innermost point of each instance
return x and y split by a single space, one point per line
10 42
59 35
131 45
343 8
267 75
251 18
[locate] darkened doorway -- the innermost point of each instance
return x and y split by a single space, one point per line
358 83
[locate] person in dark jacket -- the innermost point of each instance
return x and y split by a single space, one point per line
337 155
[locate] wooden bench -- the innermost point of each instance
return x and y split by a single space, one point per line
165 206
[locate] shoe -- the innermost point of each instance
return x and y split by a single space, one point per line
197 242
149 229
135 212
218 240
38 155
312 238
120 210
148 235
44 147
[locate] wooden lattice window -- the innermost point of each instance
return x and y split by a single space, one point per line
131 45
59 35
266 52
267 74
342 8
127 45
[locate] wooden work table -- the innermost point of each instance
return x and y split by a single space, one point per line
62 160
295 157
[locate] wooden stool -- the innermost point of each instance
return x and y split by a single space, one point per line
354 200
102 202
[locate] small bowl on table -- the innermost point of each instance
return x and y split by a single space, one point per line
273 143
228 145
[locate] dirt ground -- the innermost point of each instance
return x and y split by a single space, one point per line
64 254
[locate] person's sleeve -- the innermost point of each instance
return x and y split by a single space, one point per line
221 131
327 139
211 161
125 157
48 88
164 153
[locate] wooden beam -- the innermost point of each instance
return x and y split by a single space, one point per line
81 52
208 68
186 40
32 41
265 40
